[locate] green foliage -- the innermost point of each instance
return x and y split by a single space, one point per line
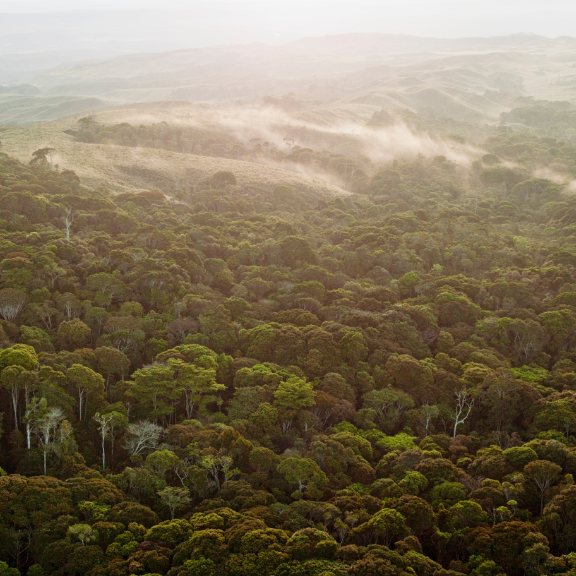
286 386
6 570
531 373
401 441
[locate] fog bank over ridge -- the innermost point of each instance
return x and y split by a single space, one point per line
131 26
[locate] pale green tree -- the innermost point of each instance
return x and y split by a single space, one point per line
294 394
198 384
175 498
87 383
83 533
303 472
155 389
107 422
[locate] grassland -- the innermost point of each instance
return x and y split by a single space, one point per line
122 168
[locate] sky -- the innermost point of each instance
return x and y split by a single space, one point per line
120 26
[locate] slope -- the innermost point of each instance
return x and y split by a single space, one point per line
122 169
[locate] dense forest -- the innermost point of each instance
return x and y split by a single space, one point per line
381 383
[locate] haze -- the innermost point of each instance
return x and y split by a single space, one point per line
99 29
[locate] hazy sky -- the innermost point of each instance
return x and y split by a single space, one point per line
136 25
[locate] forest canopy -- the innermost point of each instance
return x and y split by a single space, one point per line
382 382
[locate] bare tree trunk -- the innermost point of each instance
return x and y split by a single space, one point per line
103 451
15 397
68 223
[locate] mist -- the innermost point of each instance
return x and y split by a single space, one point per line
288 75
371 146
103 28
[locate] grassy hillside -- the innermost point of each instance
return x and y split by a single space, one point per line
122 169
447 77
23 110
472 80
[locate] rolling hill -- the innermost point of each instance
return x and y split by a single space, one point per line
455 78
122 168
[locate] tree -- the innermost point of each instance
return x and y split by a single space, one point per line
15 378
557 414
388 403
523 336
500 176
560 326
291 396
384 527
106 284
413 483
354 347
53 271
200 567
19 355
335 385
5 570
303 472
111 361
417 513
223 179
559 520
409 281
41 158
155 388
12 302
73 333
543 473
96 317
198 382
504 543
295 250
175 498
263 459
501 399
464 405
162 461
426 414
294 394
519 456
217 465
108 422
83 533
68 220
117 425
536 557
50 427
182 327
411 376
527 337
143 436
33 410
69 304
87 382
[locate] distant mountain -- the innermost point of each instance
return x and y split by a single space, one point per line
22 89
348 45
15 67
20 109
448 77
